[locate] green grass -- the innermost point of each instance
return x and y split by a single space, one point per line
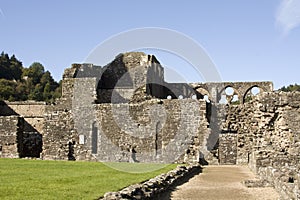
38 179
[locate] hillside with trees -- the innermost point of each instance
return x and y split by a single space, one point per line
18 83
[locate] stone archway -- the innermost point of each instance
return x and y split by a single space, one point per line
249 94
229 95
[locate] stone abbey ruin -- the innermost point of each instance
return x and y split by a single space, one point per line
126 112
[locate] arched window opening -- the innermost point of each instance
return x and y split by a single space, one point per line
251 93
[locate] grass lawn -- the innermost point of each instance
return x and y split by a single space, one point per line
40 179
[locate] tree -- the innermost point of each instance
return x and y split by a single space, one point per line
35 71
10 68
4 66
290 88
47 92
37 93
19 84
58 91
21 91
7 89
15 68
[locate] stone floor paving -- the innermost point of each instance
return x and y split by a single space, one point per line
222 182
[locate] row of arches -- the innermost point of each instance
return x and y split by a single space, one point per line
227 95
230 95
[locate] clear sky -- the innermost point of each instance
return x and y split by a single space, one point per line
251 40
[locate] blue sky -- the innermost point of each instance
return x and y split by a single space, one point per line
250 40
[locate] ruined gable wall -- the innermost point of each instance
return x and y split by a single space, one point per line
128 73
268 139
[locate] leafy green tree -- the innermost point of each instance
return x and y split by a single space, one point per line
21 91
10 68
15 68
19 84
57 92
7 89
35 72
37 93
4 66
47 92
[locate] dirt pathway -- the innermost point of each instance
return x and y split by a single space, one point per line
222 182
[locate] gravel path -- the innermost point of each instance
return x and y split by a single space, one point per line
222 182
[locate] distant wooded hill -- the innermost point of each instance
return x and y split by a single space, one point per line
18 83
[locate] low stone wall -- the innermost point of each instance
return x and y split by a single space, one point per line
157 187
284 179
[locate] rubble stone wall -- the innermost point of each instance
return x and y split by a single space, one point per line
32 112
227 148
157 130
10 128
268 139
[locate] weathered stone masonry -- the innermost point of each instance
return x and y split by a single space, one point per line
267 136
123 112
10 127
21 129
161 122
106 113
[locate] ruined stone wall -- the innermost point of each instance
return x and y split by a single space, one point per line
59 129
32 111
10 129
268 139
155 129
227 148
215 90
58 121
28 140
69 118
127 73
25 108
